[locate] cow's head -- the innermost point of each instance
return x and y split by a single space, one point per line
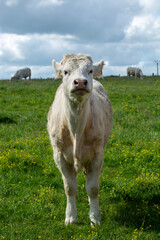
77 72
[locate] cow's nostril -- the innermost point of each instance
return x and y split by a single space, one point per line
76 82
85 83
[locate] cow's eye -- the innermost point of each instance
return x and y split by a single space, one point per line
65 72
90 72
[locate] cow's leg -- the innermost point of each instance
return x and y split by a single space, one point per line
20 76
92 187
135 75
70 186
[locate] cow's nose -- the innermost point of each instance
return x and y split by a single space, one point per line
80 83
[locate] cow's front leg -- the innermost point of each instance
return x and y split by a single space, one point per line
92 187
70 186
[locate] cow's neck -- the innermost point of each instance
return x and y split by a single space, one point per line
77 114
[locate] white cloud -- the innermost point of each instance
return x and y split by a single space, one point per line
42 71
21 47
10 45
145 26
50 2
10 3
138 25
149 5
115 70
106 63
31 50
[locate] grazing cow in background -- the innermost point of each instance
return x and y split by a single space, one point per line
132 71
22 73
79 126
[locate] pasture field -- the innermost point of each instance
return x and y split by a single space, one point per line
32 198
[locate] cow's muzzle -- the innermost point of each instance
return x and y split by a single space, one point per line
80 83
80 86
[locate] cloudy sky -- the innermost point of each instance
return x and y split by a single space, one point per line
121 32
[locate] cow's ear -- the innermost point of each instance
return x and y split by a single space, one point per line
56 66
97 69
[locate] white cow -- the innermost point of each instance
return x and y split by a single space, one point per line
22 73
79 126
137 72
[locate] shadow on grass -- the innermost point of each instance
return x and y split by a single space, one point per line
138 213
7 120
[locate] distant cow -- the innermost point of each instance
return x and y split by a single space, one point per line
132 71
79 126
22 73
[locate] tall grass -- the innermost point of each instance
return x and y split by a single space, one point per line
32 199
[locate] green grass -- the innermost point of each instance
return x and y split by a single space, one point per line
32 198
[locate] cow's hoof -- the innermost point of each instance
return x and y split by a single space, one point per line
70 221
95 218
95 221
93 224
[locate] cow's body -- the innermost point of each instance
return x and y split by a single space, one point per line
132 71
22 73
79 125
